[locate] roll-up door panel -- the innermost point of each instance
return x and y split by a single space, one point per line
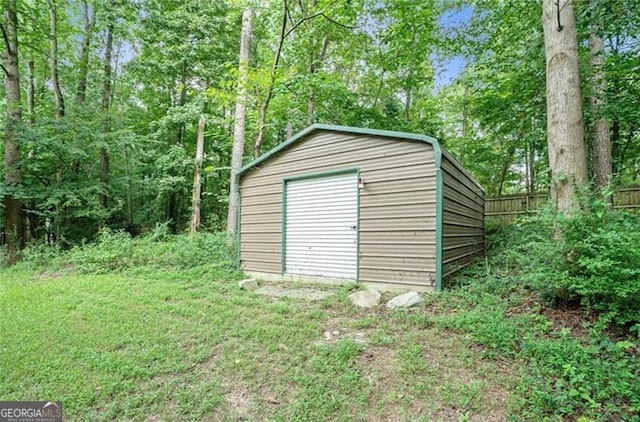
321 226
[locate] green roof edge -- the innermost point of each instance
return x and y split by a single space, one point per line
343 129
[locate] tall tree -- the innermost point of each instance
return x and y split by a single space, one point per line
240 117
565 123
83 64
600 134
106 106
500 96
14 220
197 179
53 58
262 124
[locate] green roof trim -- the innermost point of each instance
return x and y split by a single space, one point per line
343 129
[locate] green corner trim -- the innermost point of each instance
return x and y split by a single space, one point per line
358 226
238 222
283 251
439 224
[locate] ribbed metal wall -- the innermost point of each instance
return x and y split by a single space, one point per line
321 226
463 223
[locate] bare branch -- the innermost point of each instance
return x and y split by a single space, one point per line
4 69
300 22
287 12
316 15
335 22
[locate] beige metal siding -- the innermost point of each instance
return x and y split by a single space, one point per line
463 218
397 204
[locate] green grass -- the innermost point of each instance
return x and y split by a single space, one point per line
190 345
156 328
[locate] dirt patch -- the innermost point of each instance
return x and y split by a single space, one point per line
571 318
333 335
380 364
452 382
239 403
52 275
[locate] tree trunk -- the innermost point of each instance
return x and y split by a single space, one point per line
316 60
615 148
106 106
532 168
127 172
14 221
57 92
409 80
31 102
53 58
527 167
262 124
240 118
83 64
182 100
505 169
30 219
175 198
601 143
565 124
197 185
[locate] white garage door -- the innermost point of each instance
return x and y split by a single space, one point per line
321 226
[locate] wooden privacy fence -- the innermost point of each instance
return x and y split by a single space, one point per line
506 209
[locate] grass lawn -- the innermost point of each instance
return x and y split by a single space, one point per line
190 345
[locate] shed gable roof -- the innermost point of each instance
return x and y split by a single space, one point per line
342 129
439 151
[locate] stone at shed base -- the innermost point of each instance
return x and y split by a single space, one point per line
248 284
405 301
365 298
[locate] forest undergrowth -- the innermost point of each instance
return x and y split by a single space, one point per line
557 315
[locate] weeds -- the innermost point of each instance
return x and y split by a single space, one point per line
159 320
118 251
593 376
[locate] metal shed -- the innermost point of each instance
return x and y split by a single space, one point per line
334 203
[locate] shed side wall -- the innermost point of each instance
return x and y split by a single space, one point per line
397 204
463 218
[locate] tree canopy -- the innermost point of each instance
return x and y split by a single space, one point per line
101 106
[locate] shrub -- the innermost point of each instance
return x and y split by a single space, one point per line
605 265
596 261
565 375
117 250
